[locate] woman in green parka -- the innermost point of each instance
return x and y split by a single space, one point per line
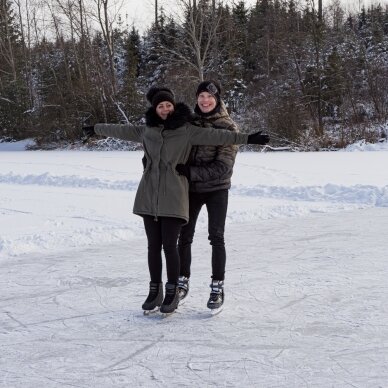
162 197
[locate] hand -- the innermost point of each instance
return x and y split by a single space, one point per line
88 131
183 169
258 138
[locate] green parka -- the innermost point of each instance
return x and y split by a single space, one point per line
162 192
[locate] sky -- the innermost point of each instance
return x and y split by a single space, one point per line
305 287
141 13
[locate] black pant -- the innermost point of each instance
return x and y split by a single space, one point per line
217 204
163 233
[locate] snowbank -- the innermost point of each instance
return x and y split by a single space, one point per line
67 199
363 145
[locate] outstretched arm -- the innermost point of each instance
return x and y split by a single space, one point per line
121 131
212 136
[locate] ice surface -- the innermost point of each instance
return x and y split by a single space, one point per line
306 283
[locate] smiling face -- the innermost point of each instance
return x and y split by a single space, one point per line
206 102
164 108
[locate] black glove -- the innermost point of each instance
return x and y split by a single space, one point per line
88 131
144 161
183 169
258 138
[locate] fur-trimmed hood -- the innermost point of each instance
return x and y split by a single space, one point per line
181 115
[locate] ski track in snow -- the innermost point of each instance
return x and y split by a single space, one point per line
363 194
54 200
74 181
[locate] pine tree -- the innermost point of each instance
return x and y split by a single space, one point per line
376 24
385 22
362 19
130 88
153 57
333 84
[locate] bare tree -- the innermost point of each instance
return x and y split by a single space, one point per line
156 13
192 46
106 25
7 48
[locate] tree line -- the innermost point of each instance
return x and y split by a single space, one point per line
311 79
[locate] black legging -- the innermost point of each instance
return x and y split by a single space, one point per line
217 204
163 233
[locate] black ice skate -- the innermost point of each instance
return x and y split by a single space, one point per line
171 299
154 298
216 299
183 287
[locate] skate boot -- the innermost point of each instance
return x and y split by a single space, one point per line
183 287
216 299
171 299
154 298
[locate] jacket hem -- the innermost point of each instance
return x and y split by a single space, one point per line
141 214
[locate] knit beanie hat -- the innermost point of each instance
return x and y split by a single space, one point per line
212 87
156 95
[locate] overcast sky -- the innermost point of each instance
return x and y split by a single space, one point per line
141 12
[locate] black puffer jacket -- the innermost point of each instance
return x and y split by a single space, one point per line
211 167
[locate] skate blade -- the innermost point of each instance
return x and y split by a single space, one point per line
214 312
150 312
182 298
166 315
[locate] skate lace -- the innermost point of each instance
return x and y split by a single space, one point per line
183 283
217 287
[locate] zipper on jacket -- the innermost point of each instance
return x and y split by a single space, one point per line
158 187
169 169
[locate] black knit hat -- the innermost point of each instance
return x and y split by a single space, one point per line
210 86
156 95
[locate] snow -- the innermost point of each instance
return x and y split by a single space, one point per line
305 286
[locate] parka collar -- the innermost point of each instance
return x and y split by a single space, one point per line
181 115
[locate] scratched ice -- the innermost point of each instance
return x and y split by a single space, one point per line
306 282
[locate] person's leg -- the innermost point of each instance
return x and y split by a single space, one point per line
154 237
217 206
170 231
171 228
187 234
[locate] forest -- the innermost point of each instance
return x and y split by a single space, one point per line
313 78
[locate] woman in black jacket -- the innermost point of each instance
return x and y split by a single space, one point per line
209 170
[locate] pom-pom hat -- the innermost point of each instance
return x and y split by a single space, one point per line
157 95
